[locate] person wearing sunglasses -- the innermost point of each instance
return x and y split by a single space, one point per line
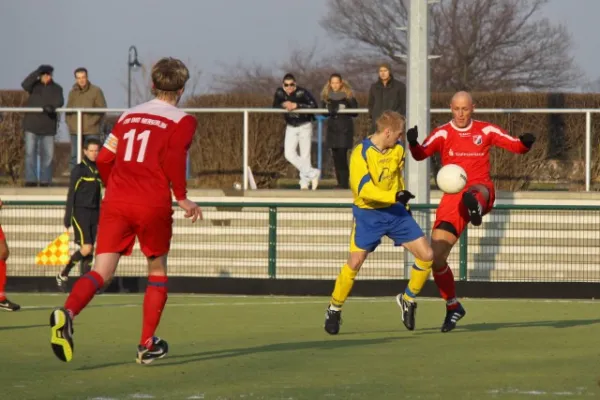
299 129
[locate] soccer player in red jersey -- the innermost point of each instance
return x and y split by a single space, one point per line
5 304
142 160
464 142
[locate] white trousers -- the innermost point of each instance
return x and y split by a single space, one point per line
300 137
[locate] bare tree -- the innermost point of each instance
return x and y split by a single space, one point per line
310 68
484 44
141 87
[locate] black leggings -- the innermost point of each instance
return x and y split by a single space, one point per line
340 163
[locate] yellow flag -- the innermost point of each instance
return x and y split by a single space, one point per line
56 253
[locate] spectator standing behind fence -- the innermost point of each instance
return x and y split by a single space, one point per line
299 129
84 95
41 128
337 95
386 94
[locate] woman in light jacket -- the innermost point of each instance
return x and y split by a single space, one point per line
337 95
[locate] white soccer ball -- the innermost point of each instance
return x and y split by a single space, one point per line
451 178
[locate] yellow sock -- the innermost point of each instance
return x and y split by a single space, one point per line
418 276
343 286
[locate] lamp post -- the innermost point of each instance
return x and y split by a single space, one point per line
132 63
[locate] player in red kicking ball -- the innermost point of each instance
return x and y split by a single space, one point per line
142 160
5 304
464 142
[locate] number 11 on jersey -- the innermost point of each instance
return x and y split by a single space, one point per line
130 138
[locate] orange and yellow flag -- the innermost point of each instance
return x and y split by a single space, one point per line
56 253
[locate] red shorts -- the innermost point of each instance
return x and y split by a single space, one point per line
120 223
2 237
452 210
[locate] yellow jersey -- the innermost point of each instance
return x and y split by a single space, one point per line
376 176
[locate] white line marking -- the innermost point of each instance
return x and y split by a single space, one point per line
322 301
512 391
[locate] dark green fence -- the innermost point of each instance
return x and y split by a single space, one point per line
310 241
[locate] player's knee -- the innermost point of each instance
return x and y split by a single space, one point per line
424 264
425 256
356 260
439 263
86 250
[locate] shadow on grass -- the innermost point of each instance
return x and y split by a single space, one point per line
492 326
325 344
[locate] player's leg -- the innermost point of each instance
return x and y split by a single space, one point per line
476 199
152 347
154 232
78 223
365 237
61 319
343 286
443 238
406 232
419 274
115 238
5 304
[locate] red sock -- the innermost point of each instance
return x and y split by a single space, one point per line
154 303
2 279
83 292
444 280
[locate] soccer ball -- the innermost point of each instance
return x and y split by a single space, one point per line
451 178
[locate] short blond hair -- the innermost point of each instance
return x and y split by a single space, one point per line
390 120
169 76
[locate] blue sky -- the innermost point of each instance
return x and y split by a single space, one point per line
207 33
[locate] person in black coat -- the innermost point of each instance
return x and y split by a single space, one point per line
337 95
386 94
41 128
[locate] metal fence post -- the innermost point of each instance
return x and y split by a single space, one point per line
320 120
79 133
463 254
245 151
272 242
588 150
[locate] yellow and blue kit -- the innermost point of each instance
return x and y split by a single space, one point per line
375 178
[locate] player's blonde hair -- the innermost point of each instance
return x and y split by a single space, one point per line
391 120
169 76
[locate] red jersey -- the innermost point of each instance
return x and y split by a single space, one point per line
145 155
468 147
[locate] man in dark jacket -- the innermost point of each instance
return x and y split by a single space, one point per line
41 128
82 210
386 94
298 132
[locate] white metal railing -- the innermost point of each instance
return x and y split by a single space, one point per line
246 112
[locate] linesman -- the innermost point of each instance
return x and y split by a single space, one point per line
82 210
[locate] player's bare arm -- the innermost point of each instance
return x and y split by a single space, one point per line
192 210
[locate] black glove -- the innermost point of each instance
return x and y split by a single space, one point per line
333 108
527 139
49 109
404 196
67 222
412 136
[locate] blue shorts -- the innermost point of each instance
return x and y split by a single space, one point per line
371 225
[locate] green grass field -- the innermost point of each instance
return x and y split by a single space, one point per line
275 348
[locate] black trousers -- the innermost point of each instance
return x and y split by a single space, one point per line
340 163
